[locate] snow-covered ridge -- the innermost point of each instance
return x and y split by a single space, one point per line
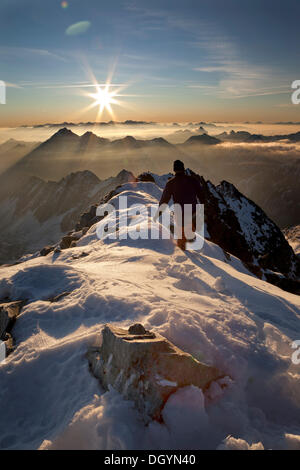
206 303
234 222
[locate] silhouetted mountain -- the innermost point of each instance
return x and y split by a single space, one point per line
62 137
13 150
65 151
128 142
90 141
203 139
247 137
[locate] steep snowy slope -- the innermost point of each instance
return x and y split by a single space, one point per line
205 302
39 212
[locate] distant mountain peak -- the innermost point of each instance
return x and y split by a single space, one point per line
65 135
160 141
129 138
89 139
204 139
86 175
126 175
64 131
88 134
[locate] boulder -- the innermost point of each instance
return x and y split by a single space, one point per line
66 242
46 250
8 314
146 177
137 329
9 344
145 367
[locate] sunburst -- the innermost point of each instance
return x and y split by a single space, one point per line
105 98
106 95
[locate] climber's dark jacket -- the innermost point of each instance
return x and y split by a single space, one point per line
183 189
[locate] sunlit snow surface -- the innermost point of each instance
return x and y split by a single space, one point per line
204 303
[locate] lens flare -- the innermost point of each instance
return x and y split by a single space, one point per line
104 98
107 94
64 4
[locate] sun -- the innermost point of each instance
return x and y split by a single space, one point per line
104 98
106 95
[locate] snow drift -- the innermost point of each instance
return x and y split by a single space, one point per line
206 303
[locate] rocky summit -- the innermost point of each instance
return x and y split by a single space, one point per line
145 367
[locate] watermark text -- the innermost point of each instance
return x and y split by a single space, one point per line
2 92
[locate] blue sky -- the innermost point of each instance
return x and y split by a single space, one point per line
181 61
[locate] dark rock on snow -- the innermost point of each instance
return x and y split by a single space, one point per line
145 368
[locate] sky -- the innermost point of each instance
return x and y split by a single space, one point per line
168 61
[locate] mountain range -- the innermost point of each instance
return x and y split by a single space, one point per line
46 168
39 212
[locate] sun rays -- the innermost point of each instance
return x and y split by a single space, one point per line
104 98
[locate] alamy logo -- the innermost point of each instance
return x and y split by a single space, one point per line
140 221
296 354
2 351
296 94
2 92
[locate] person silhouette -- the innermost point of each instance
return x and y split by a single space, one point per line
185 190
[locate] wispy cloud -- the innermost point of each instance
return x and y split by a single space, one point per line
229 73
12 85
25 52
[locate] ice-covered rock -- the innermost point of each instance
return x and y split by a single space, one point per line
145 368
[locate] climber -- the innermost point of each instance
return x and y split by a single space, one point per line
185 190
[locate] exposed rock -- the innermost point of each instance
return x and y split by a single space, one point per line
66 242
285 283
137 329
87 219
46 250
243 229
9 344
292 235
75 235
83 254
146 177
8 314
145 368
59 297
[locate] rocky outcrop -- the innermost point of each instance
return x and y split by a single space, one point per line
146 177
88 218
243 229
292 234
145 367
9 312
46 250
